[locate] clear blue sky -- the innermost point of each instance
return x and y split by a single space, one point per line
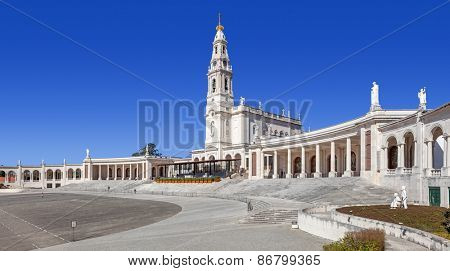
57 98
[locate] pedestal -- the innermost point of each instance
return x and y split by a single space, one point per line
348 173
332 174
317 174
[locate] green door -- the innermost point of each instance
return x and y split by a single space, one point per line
435 196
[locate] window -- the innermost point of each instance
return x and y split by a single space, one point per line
214 85
215 49
223 49
224 64
226 83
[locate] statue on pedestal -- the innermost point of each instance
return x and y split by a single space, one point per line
422 95
404 198
374 101
88 153
241 101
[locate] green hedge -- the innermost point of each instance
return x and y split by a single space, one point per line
366 240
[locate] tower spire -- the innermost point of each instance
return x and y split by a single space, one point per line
219 26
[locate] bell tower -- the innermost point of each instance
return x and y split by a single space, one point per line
220 102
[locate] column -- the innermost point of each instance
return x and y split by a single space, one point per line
99 172
382 159
317 174
261 166
348 160
445 166
303 161
275 164
373 146
107 172
362 166
429 155
138 171
400 158
289 164
332 160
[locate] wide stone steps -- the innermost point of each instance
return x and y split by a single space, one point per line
272 216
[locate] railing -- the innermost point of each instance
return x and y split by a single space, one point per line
436 172
407 171
390 171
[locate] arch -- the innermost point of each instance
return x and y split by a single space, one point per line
408 138
392 150
437 135
119 173
36 175
11 177
228 157
78 174
213 85
127 172
136 173
110 172
70 174
26 176
161 172
434 129
211 158
153 171
49 174
313 164
196 159
203 158
2 176
297 165
58 175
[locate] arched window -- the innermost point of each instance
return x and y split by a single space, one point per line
226 83
119 173
127 173
213 85
26 176
223 49
70 174
11 177
215 49
78 174
58 174
36 176
49 174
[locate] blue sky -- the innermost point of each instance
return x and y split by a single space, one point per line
57 98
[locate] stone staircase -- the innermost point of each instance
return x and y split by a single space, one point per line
272 216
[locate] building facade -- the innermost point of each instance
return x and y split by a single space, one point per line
387 147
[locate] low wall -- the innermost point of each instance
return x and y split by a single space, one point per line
10 191
322 226
422 238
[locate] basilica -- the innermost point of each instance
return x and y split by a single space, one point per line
390 148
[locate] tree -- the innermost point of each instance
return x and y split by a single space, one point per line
152 150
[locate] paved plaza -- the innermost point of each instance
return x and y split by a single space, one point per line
30 221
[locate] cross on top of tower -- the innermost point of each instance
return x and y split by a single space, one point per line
219 26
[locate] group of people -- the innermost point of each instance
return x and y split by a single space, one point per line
400 201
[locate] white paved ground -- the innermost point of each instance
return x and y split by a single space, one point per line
203 224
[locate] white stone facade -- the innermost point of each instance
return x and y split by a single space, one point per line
388 147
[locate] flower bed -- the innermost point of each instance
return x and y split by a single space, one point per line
214 179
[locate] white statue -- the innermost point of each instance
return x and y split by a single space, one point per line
282 112
395 201
88 153
241 101
260 105
404 198
422 95
147 150
374 101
